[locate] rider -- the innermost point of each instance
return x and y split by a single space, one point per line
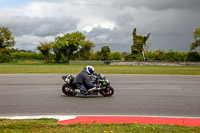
83 80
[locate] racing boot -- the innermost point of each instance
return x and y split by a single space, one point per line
84 91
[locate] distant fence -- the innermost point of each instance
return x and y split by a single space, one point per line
135 63
152 63
90 62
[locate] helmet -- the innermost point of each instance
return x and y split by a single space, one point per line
90 69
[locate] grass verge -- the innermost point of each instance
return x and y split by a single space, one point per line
50 125
105 69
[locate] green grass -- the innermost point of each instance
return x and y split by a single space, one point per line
51 126
21 68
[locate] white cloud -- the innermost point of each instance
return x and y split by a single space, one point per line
29 42
45 26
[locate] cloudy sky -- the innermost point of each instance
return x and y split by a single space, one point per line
104 22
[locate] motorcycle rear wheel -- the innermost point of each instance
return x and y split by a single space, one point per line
68 90
109 91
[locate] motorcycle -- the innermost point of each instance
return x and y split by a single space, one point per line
102 86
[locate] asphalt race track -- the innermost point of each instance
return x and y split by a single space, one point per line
144 95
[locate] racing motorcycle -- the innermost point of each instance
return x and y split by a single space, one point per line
102 86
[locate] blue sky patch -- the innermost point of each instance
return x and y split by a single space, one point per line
12 3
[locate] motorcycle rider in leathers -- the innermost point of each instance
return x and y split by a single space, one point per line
82 80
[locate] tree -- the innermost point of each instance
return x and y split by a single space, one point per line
45 49
193 56
116 56
105 53
85 51
6 38
139 44
65 46
160 55
195 44
124 54
6 55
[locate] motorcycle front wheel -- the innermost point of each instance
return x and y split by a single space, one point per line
109 91
68 90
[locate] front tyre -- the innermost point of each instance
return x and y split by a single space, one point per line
109 91
68 90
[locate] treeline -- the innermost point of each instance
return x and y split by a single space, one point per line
14 55
170 56
74 46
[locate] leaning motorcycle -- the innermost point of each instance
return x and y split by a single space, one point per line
102 86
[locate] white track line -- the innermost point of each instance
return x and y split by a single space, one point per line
59 117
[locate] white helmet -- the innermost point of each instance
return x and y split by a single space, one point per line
90 69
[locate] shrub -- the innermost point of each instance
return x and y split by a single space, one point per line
27 55
116 56
5 55
193 56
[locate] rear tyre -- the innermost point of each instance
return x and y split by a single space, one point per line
109 91
68 90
